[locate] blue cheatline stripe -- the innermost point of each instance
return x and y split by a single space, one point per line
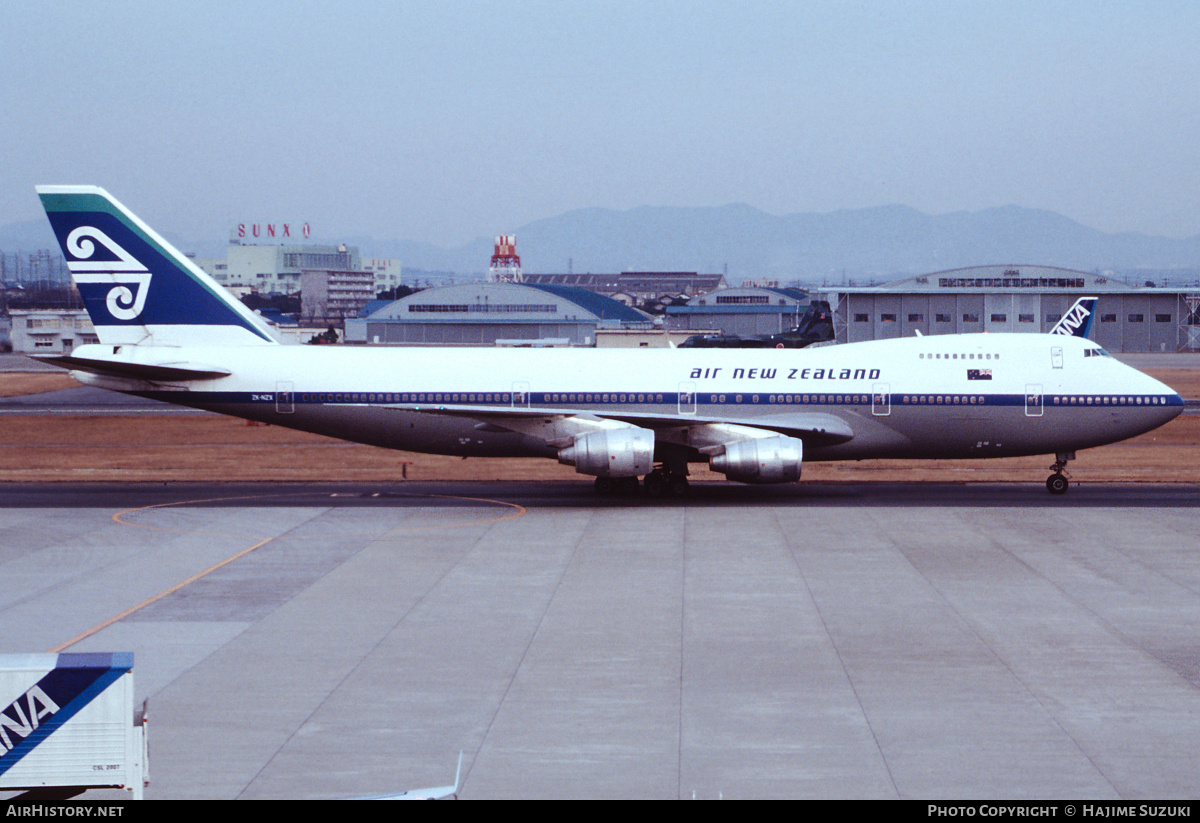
74 682
569 400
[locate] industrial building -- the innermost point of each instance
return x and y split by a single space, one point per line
483 314
656 338
1012 298
269 269
742 311
276 269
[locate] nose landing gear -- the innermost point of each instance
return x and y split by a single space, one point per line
1057 483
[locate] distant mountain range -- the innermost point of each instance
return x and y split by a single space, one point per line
876 243
27 236
31 235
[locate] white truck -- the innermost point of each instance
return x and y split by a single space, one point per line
67 724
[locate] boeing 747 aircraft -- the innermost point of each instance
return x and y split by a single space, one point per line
169 332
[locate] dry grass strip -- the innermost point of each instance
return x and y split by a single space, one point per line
212 448
48 448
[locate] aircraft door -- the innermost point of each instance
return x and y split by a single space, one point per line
520 394
881 399
1056 357
687 398
1033 400
285 399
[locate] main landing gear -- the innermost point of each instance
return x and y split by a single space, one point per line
1057 482
658 483
616 486
663 483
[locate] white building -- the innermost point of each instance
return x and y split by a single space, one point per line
386 271
50 331
278 269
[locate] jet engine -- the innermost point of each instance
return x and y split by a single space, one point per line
624 452
761 460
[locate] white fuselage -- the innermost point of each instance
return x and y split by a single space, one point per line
970 395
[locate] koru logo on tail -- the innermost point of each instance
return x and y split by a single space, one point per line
123 302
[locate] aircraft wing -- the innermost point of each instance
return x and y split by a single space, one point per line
557 427
434 793
152 372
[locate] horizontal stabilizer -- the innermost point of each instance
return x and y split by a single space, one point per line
153 372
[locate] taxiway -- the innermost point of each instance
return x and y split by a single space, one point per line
821 640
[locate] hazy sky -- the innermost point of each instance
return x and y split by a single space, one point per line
452 120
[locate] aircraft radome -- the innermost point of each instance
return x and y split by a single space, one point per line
169 332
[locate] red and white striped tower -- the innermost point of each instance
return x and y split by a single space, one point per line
506 264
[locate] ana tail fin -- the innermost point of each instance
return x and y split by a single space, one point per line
1077 321
137 288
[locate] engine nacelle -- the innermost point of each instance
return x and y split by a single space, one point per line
626 452
761 460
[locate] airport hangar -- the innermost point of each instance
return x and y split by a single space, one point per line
485 314
1018 299
745 311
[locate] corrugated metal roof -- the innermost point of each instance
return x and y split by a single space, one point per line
793 294
791 308
373 306
603 307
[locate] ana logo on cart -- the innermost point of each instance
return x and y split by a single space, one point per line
22 720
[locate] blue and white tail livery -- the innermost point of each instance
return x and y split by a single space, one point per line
1077 322
137 288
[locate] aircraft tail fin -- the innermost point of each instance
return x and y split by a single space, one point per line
1077 322
137 288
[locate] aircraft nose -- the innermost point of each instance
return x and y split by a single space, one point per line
1173 399
1174 407
1159 403
1170 403
1177 404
